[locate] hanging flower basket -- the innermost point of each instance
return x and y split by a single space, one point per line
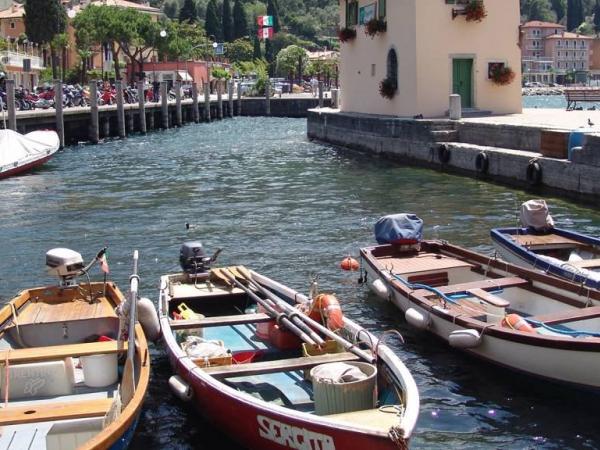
475 11
388 88
374 26
346 34
502 75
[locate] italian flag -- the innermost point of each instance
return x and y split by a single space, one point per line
265 33
104 264
264 21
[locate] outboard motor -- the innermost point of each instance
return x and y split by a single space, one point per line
193 259
64 263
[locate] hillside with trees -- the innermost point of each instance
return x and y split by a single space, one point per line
582 16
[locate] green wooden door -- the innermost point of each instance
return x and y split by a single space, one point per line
462 81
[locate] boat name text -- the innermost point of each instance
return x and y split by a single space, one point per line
293 437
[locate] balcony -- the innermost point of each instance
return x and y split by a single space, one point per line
15 59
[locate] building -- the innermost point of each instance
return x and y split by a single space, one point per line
427 51
549 53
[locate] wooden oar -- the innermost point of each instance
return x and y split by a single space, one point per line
128 380
279 316
292 313
316 325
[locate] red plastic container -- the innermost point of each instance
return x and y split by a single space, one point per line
283 339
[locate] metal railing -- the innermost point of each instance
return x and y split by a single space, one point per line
15 59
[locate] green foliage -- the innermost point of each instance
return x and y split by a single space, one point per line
538 10
212 24
574 14
273 10
220 74
46 75
44 19
261 69
240 50
257 52
240 22
188 12
170 8
292 61
560 8
3 44
597 16
227 22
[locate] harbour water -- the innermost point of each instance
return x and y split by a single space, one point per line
288 208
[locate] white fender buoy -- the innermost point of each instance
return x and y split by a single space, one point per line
464 338
181 388
417 319
148 318
380 289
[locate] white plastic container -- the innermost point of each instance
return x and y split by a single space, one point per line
335 398
100 370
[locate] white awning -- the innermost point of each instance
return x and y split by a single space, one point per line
184 76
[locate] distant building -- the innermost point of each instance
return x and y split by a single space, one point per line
429 51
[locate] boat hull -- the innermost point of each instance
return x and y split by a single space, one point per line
25 167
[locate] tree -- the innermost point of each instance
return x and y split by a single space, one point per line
240 23
170 9
61 42
212 24
227 22
537 10
240 50
43 20
188 12
257 52
273 10
560 9
574 14
292 60
597 16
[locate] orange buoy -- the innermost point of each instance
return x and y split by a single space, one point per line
516 322
327 307
349 263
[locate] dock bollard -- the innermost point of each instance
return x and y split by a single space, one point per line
10 105
230 92
239 97
455 111
178 114
267 98
207 101
58 105
195 112
142 106
120 109
335 98
219 101
94 120
164 98
320 94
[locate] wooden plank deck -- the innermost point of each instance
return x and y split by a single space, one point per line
42 312
568 315
237 319
54 411
488 283
586 263
54 352
546 240
421 263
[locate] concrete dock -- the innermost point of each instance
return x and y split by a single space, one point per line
526 150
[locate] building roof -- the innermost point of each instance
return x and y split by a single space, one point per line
540 24
567 35
324 55
127 4
15 11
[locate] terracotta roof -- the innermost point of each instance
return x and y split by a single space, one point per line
16 11
540 24
567 35
127 4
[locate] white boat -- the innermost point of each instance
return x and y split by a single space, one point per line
541 246
258 382
20 153
514 317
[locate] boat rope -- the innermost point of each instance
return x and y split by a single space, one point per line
396 434
384 335
16 322
6 377
561 330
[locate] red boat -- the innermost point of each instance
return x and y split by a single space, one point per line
261 361
20 153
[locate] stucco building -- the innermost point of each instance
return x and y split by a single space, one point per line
431 51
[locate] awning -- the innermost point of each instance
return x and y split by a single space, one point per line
184 76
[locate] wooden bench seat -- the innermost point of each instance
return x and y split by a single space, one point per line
78 409
581 95
586 263
218 321
568 315
490 283
489 298
35 354
279 365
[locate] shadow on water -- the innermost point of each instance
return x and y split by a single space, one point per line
288 208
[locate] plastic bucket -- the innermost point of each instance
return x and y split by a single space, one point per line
100 370
335 398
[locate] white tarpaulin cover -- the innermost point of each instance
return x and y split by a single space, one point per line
17 149
534 214
338 373
184 76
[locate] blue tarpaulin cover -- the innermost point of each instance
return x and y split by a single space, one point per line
397 228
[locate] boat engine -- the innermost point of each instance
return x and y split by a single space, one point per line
193 259
64 263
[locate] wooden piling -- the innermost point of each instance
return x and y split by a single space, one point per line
58 105
151 119
219 101
120 109
239 98
164 100
230 92
195 112
142 106
10 105
94 120
106 126
178 114
206 102
267 98
320 94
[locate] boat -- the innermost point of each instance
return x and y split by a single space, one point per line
20 153
62 384
539 245
247 356
515 317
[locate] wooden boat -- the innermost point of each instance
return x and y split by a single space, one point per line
60 382
261 391
515 317
559 252
21 153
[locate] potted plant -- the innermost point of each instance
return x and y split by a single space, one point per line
502 75
475 11
346 34
387 88
374 26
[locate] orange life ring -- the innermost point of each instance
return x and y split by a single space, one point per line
516 322
327 307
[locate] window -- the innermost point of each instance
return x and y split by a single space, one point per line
12 25
351 13
392 67
382 8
